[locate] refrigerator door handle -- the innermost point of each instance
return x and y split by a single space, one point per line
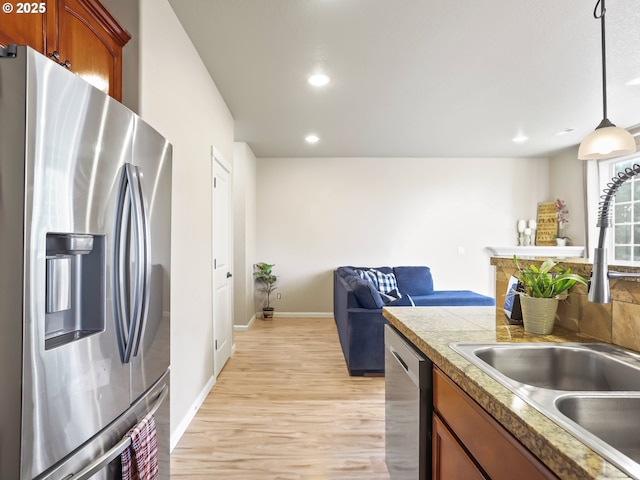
143 245
107 457
129 248
119 275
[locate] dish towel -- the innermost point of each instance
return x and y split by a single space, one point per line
140 459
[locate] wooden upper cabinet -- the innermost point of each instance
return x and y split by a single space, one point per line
91 40
80 32
24 29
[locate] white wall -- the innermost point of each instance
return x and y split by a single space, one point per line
314 214
127 14
179 99
244 205
566 181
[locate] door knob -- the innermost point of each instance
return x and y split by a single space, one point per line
229 275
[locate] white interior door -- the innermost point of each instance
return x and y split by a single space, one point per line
222 281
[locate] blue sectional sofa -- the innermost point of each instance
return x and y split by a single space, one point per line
358 302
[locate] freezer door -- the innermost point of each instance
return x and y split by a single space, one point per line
74 381
99 458
151 355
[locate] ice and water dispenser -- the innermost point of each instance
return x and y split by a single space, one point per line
75 287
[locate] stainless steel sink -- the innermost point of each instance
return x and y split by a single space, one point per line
614 419
564 367
591 390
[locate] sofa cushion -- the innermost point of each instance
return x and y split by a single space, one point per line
391 296
452 298
346 271
414 280
365 292
403 301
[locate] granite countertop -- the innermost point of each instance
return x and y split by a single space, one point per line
581 266
432 329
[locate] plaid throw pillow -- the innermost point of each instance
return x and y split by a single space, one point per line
369 276
386 282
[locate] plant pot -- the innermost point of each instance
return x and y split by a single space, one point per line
267 312
561 242
538 314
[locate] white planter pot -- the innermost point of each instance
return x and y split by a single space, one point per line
538 314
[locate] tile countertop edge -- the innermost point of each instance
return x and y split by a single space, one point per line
432 329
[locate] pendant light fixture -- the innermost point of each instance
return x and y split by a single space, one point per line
607 141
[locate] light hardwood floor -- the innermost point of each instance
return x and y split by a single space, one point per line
285 408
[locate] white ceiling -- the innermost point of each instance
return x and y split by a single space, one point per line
416 78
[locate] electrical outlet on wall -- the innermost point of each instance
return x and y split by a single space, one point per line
278 296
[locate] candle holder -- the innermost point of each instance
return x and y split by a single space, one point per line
521 225
533 225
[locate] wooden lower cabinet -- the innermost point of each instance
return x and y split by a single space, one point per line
450 460
464 433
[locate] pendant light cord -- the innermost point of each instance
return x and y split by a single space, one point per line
607 141
600 15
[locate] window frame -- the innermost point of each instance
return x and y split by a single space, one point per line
631 206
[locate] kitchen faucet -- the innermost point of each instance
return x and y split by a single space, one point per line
599 291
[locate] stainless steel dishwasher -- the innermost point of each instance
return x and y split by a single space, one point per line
408 408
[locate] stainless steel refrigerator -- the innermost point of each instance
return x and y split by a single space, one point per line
85 200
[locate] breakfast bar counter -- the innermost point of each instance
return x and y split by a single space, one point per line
433 329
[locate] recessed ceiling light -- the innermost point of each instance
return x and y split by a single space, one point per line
318 80
633 82
311 138
564 132
520 138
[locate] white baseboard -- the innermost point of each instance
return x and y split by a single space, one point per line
303 314
244 328
177 434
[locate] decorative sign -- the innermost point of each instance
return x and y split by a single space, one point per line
547 224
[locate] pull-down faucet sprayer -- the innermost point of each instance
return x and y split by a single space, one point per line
599 291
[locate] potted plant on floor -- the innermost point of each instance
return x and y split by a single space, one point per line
543 288
264 275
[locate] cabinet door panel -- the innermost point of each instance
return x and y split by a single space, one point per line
450 460
91 40
24 29
493 447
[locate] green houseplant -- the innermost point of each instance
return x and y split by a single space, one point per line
264 275
543 287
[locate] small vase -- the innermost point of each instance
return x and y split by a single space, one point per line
538 314
561 242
